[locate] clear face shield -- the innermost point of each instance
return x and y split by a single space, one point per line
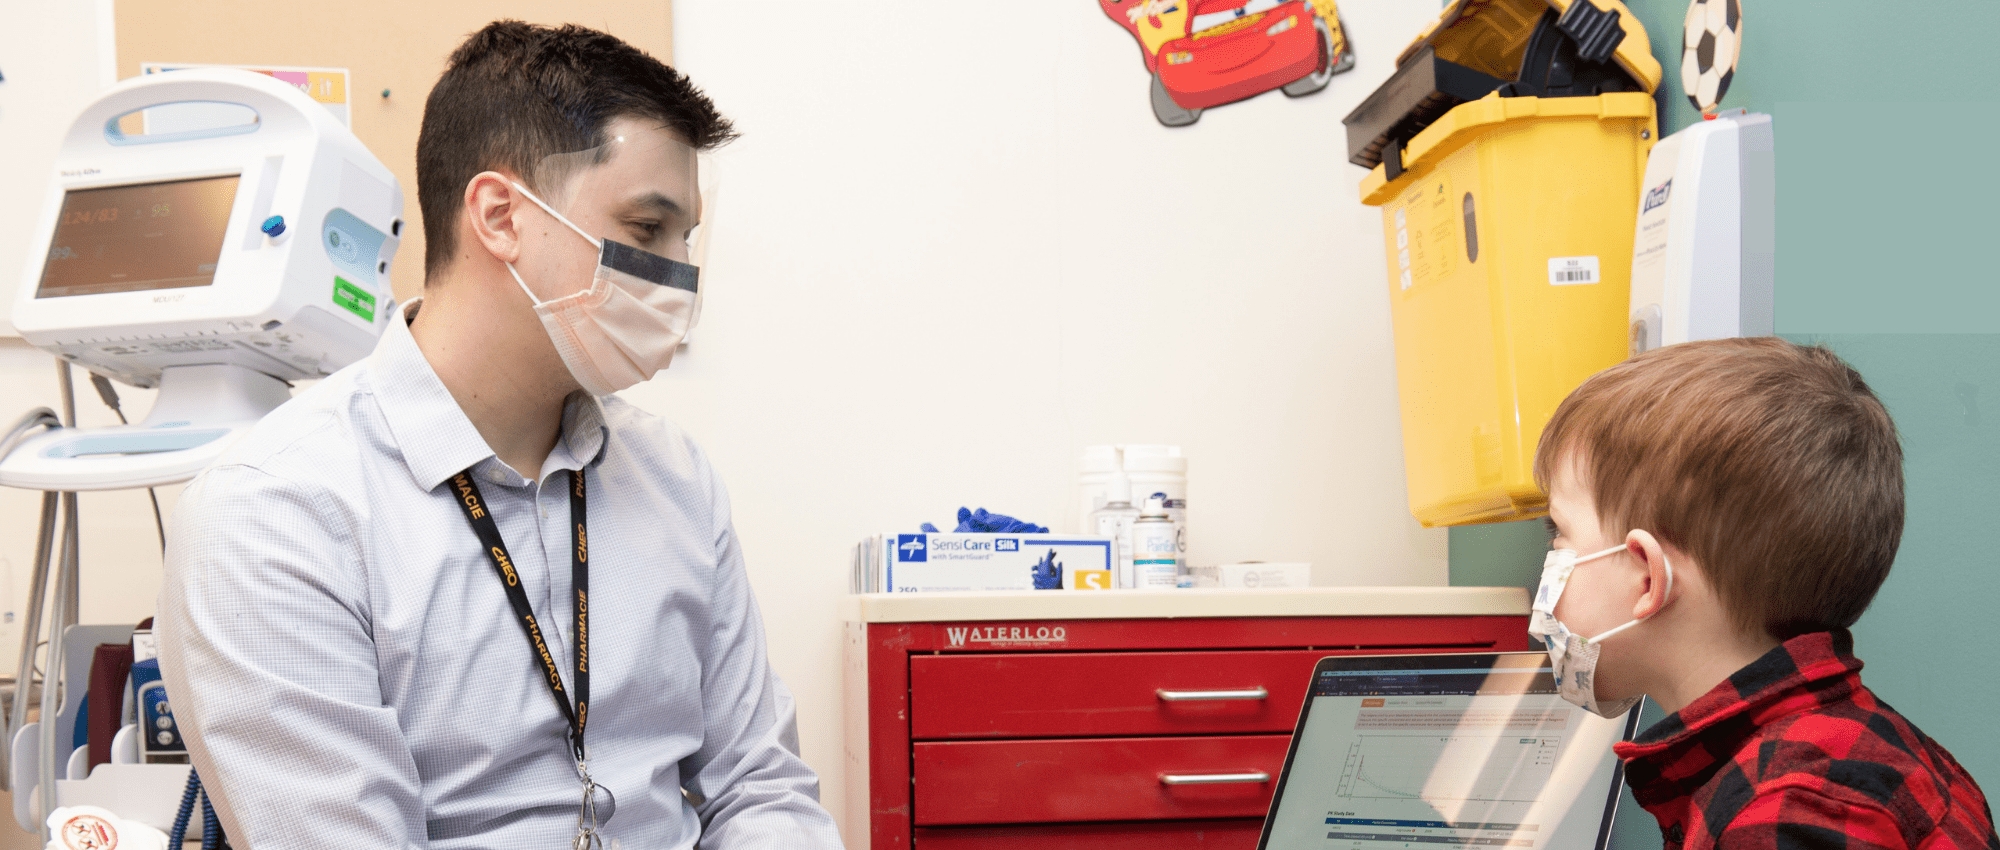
642 184
708 179
634 198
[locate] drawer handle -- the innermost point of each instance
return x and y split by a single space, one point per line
1254 777
1255 693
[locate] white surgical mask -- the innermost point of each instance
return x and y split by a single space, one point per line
624 328
1573 656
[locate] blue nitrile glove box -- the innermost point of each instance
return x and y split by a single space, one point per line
905 563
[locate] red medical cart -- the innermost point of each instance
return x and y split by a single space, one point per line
1109 720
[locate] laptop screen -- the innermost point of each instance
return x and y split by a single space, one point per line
1415 751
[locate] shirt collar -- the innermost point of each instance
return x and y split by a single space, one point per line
583 433
436 439
1677 755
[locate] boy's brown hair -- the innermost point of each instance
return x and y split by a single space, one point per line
1771 464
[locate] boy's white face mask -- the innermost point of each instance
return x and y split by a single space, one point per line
623 328
1573 656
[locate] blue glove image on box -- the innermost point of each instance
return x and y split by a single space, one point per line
1047 572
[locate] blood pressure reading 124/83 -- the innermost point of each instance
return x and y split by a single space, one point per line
132 238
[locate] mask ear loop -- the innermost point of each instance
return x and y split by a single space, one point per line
594 241
1669 566
524 285
1543 596
1595 555
1566 569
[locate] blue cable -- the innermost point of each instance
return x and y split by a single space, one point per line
211 826
179 833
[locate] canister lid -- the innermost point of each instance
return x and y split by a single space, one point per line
1514 49
1120 489
1491 37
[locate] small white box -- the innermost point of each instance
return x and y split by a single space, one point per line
1265 575
949 561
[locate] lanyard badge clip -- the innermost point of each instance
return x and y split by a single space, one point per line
587 835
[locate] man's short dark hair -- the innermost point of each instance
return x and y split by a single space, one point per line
516 92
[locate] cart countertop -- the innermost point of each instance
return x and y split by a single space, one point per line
1207 602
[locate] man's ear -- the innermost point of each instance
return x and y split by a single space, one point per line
1659 588
491 206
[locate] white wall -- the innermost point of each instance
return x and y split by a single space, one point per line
953 247
55 55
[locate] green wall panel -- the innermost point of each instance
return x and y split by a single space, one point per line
1928 639
1884 206
1501 554
1867 241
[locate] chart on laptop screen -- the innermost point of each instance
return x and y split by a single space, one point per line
1411 753
1484 754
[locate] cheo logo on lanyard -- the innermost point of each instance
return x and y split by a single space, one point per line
476 512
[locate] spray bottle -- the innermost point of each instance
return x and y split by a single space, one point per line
1114 520
1156 552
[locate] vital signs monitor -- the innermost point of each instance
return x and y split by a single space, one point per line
1467 750
218 259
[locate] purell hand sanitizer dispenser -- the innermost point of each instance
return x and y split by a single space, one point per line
1703 258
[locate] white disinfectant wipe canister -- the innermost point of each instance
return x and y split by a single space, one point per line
1154 470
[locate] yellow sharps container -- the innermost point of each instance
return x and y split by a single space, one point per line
1507 150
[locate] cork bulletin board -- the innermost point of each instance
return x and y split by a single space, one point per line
393 52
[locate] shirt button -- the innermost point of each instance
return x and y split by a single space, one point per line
497 476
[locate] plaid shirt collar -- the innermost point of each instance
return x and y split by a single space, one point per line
1679 754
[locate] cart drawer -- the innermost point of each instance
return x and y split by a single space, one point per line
1096 779
1239 834
1022 695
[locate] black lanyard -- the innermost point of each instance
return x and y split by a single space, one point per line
475 507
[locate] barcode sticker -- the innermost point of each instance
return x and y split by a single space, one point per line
1568 271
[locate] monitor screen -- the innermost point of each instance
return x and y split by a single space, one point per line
140 237
1422 751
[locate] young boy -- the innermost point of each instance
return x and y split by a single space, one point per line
1743 499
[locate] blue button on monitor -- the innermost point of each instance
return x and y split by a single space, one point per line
273 226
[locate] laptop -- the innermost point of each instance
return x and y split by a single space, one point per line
1418 751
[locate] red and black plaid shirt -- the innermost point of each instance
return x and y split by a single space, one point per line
1792 752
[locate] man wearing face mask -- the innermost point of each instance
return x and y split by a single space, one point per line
459 594
1736 504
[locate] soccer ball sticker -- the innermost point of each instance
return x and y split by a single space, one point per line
1710 44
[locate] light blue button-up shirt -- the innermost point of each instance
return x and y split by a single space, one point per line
344 664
